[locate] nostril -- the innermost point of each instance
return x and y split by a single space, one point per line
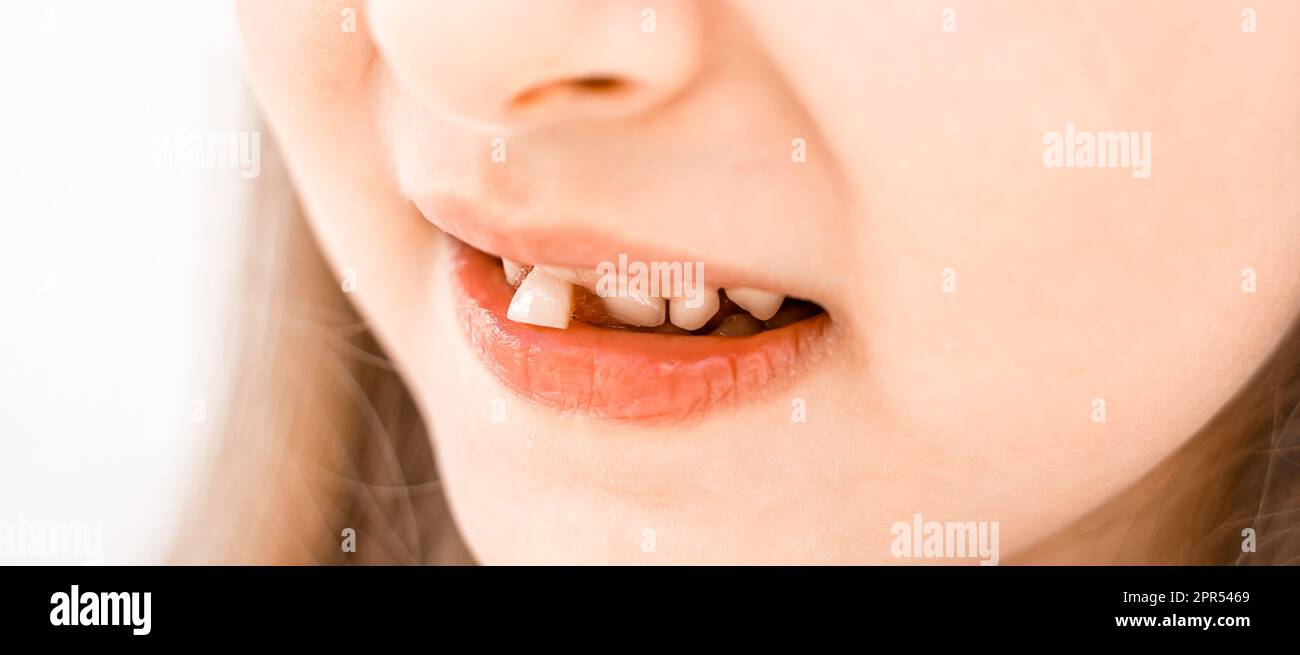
600 84
591 85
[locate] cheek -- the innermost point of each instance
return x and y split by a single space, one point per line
1096 320
310 62
315 80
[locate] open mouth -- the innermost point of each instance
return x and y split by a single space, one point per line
550 336
554 296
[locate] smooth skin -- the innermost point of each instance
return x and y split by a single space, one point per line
924 153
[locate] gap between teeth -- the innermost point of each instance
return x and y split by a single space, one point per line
545 296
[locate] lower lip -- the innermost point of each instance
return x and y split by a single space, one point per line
623 375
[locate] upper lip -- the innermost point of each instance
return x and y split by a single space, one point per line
565 244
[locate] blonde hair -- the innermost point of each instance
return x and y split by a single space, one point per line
321 434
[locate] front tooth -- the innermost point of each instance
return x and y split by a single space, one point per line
760 304
542 300
513 271
693 318
640 311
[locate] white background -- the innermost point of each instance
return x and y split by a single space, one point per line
116 272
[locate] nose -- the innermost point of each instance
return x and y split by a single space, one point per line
514 65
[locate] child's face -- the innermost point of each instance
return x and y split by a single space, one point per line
1013 336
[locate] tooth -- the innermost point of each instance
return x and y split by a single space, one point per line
542 300
762 305
738 325
513 271
693 318
640 311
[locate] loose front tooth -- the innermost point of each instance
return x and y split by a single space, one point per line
760 304
686 317
542 300
640 311
513 271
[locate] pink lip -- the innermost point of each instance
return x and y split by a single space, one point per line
579 247
620 375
